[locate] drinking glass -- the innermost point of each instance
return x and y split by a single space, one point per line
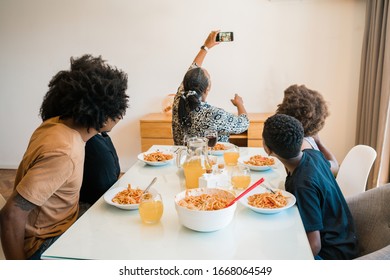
151 207
212 136
241 177
231 155
213 163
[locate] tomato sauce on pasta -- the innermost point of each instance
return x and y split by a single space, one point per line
128 196
204 202
258 160
157 156
268 200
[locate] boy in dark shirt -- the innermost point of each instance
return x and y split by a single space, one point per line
323 209
101 168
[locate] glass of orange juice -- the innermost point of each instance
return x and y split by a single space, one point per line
231 155
151 207
241 177
192 171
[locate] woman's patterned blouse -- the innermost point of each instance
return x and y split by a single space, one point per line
206 116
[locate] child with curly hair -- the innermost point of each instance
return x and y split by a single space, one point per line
325 214
310 108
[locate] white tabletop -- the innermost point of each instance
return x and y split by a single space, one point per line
106 232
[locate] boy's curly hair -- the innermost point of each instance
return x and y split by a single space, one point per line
90 93
307 106
283 134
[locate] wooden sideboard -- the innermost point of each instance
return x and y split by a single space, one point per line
156 129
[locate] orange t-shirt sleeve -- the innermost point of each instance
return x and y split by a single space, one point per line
47 174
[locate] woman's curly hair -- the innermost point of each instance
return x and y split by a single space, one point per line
307 106
90 93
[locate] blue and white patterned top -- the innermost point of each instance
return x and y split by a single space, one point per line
207 116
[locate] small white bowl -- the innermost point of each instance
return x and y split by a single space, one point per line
220 152
110 194
156 163
290 201
205 221
256 167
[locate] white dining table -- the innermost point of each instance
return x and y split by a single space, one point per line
106 232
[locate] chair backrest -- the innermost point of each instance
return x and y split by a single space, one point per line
354 170
2 203
371 213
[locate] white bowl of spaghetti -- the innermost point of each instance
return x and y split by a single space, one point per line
126 198
263 201
258 162
156 158
220 148
204 209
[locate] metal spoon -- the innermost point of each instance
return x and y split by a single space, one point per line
151 183
269 189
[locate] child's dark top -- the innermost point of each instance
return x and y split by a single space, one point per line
101 168
322 206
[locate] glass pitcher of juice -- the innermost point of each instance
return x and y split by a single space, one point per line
196 161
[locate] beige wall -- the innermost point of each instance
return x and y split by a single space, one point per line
278 43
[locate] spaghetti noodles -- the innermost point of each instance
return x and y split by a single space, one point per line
268 200
219 147
204 202
258 160
157 156
128 196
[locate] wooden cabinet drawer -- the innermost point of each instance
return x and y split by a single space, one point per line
255 143
156 130
255 130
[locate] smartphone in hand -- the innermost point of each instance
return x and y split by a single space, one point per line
225 37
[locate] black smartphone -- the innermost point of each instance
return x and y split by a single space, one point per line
224 37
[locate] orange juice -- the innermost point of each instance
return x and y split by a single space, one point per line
151 211
192 171
241 182
231 158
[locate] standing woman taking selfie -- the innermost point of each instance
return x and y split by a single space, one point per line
192 115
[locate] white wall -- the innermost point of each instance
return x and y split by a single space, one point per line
277 43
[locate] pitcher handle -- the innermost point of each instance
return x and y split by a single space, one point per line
179 156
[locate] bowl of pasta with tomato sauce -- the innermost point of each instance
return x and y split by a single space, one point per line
263 201
156 158
126 198
204 209
258 162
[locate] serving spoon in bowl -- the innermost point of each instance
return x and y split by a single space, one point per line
246 191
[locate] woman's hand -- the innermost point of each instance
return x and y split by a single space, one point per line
239 103
237 100
209 43
211 39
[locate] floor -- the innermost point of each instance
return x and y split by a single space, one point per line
7 178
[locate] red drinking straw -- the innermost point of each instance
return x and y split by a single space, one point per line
246 191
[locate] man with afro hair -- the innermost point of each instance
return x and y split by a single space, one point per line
81 102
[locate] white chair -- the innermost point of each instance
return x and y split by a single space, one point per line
354 170
2 203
